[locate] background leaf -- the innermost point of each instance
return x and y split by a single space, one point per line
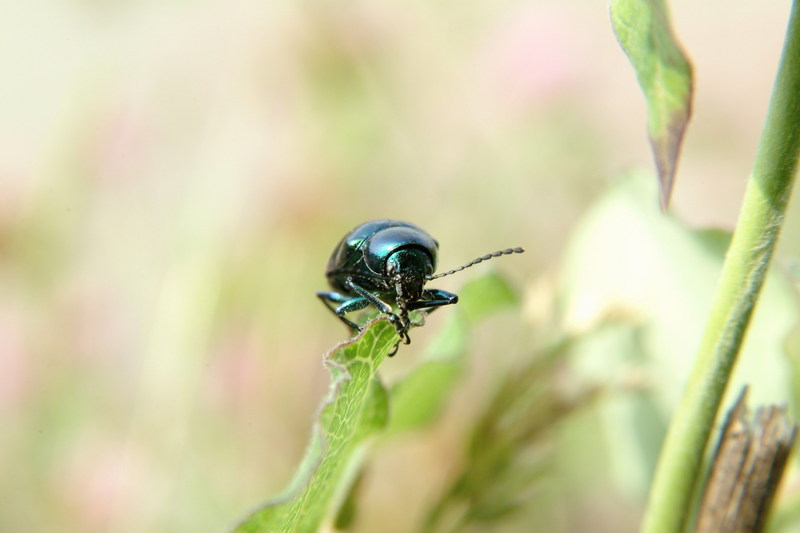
418 399
665 75
510 450
655 278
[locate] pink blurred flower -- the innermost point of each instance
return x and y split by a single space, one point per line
532 56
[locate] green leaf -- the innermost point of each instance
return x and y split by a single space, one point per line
665 75
419 398
355 408
485 296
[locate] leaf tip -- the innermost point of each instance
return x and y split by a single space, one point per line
666 146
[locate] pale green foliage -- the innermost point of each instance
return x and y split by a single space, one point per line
655 278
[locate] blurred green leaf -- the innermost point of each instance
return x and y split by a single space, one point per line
793 353
356 407
477 300
628 261
665 75
418 399
485 296
451 342
348 510
509 449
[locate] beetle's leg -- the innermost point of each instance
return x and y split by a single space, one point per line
382 306
432 299
406 323
394 350
399 324
346 305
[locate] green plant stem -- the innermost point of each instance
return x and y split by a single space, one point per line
742 276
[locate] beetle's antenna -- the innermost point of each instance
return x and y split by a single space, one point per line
507 251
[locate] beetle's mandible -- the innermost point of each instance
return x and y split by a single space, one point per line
386 263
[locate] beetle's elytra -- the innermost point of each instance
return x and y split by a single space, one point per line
386 263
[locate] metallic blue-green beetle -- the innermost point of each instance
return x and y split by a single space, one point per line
384 263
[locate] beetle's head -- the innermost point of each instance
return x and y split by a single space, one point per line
408 268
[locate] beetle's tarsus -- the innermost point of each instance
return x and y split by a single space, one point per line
394 350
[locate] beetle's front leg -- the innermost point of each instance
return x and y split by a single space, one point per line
383 307
430 301
433 299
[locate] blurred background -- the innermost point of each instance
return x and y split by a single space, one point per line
174 175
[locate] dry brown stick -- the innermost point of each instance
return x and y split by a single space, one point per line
746 470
